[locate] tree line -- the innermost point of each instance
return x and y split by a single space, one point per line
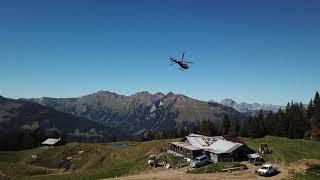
204 127
295 121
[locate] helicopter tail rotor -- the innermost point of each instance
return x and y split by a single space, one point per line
172 60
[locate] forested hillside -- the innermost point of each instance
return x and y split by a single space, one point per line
294 122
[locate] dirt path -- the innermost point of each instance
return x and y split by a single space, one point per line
250 173
181 174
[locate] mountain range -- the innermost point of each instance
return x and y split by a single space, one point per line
106 115
142 111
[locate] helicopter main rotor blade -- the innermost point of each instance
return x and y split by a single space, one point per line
182 56
188 62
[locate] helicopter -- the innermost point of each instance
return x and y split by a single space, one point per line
182 63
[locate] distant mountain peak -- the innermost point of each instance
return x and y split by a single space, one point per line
142 93
228 100
246 107
105 92
170 94
159 94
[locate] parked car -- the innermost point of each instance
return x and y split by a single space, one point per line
267 170
200 161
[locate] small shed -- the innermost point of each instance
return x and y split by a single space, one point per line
51 142
255 158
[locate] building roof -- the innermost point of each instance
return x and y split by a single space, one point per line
223 146
215 144
50 141
201 141
185 145
254 156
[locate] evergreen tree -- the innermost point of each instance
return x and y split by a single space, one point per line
244 129
204 127
251 127
279 123
212 130
256 128
225 126
316 100
301 121
297 121
207 128
234 128
270 123
261 124
284 122
315 119
195 127
309 110
309 114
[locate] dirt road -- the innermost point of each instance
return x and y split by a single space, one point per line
250 173
180 174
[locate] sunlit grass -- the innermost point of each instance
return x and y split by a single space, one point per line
286 150
98 161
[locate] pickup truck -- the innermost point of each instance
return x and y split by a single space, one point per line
267 170
200 161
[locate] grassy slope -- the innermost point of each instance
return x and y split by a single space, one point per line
97 161
286 150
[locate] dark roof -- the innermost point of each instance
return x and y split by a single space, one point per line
232 138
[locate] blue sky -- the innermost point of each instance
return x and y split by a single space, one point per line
265 51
